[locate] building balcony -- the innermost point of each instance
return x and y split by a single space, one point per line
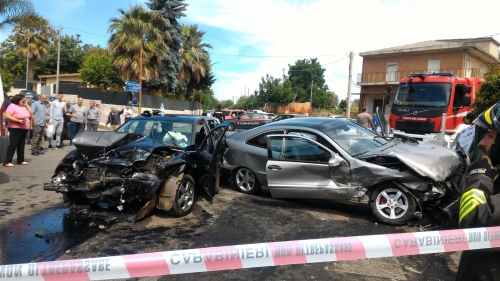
393 77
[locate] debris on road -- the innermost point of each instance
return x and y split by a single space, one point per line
38 234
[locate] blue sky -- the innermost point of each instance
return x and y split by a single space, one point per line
252 38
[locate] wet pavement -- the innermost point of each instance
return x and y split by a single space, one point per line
43 236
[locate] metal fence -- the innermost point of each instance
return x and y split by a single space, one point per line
123 98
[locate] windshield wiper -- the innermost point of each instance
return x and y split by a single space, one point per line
171 137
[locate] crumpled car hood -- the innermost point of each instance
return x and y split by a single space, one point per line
89 143
427 160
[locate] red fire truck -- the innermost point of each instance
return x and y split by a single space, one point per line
421 100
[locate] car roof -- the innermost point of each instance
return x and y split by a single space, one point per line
180 118
317 123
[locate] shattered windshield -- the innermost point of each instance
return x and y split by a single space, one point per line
172 133
425 94
355 139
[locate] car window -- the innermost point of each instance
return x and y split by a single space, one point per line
355 139
261 140
313 136
209 145
298 149
167 132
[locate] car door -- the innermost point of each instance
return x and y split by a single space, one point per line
299 167
209 160
243 121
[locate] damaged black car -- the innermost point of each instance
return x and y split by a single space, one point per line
154 162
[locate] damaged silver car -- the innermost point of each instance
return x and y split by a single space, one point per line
322 158
149 162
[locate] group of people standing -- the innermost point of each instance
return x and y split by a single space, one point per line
25 120
31 122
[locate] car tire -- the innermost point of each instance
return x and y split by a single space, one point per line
184 197
230 127
392 205
245 181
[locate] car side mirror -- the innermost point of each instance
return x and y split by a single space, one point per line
334 162
191 148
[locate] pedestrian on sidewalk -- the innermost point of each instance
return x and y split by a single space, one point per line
365 119
128 113
57 112
19 119
47 136
93 117
114 118
27 103
77 112
39 111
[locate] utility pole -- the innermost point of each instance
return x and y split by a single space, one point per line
58 59
283 76
348 111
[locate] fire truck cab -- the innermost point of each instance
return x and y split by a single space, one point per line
422 99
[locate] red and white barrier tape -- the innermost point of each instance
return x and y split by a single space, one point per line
256 255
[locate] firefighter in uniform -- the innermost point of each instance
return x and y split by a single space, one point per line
480 201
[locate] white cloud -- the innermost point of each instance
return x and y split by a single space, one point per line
314 28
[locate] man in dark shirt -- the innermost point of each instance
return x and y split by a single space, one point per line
219 114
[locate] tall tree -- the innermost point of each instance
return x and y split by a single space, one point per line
98 69
10 61
138 29
195 61
273 93
307 75
37 31
12 11
333 99
172 10
72 56
489 92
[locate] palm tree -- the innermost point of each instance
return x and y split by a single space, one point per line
138 31
37 31
11 11
195 61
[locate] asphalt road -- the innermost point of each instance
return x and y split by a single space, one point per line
232 219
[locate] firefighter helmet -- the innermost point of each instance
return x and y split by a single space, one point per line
490 119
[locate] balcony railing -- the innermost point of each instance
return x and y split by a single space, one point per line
393 77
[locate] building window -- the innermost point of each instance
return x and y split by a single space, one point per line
392 70
434 66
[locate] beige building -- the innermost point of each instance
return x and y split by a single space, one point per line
51 79
386 67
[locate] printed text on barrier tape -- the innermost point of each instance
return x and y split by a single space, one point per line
256 255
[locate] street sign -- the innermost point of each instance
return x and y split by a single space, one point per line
132 89
133 102
132 84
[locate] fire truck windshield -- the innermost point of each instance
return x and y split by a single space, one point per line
423 94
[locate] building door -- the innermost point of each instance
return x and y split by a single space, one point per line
379 104
434 65
392 69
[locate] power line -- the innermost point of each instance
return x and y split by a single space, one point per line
298 70
272 56
85 32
